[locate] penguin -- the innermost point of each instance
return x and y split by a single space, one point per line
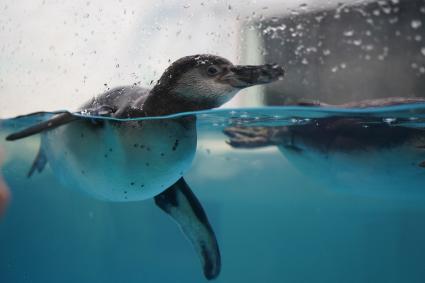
120 158
363 153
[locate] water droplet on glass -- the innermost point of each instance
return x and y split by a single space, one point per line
386 10
357 42
294 12
415 24
393 20
326 52
273 31
303 6
349 33
423 51
369 47
389 120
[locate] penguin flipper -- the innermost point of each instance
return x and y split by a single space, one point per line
58 120
39 163
54 122
180 203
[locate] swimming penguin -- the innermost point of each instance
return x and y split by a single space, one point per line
364 154
140 159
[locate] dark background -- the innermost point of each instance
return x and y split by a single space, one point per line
350 53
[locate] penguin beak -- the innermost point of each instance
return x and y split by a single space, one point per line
246 76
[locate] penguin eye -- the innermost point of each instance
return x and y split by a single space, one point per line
213 70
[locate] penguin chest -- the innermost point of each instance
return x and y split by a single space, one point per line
121 161
364 171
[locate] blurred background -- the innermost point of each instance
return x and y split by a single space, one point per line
56 54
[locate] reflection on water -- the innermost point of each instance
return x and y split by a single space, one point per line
306 195
358 153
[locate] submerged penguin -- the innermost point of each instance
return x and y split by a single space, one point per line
364 154
141 159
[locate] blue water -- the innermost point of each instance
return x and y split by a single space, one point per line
294 216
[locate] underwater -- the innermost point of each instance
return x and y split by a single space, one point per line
309 214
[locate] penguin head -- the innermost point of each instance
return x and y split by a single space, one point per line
202 82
